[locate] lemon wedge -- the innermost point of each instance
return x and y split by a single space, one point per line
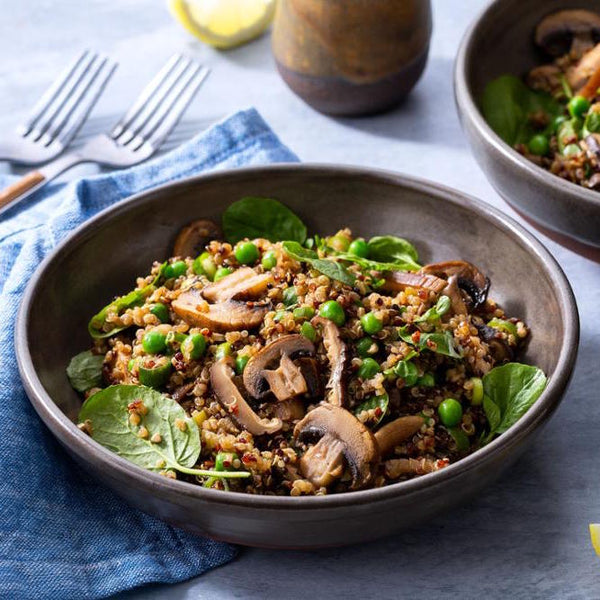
595 533
224 23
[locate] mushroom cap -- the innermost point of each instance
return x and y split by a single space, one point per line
359 445
230 398
337 356
243 284
556 32
192 239
499 348
292 345
397 281
397 431
231 315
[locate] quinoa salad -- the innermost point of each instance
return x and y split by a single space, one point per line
553 116
258 359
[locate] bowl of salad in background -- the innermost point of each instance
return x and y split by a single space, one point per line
443 224
523 79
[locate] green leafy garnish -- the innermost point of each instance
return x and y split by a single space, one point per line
85 371
374 402
507 105
262 218
509 391
392 249
503 325
372 265
592 123
331 268
441 343
106 416
436 312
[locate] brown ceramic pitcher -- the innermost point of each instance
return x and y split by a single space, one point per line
351 57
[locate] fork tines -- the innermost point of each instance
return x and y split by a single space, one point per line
159 107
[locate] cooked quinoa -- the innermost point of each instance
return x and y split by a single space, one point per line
332 407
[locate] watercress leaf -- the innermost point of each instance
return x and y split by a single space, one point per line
507 104
330 268
404 335
436 312
592 123
443 343
374 402
85 371
513 387
262 218
371 265
391 249
492 413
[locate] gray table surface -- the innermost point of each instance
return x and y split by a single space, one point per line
526 536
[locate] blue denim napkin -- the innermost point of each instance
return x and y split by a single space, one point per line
63 535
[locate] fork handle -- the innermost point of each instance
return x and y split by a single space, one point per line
26 183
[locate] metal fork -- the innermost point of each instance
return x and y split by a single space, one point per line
136 137
60 112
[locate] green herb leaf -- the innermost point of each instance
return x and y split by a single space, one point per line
85 371
436 312
513 388
372 265
507 105
392 249
382 402
262 218
179 448
492 413
442 343
591 124
331 268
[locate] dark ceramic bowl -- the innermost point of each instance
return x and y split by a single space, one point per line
103 257
501 41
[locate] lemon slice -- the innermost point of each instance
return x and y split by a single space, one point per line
595 533
224 23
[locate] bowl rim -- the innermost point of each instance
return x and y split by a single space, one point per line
81 444
469 108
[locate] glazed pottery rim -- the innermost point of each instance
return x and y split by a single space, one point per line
469 108
70 435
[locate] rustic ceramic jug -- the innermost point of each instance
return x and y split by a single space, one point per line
351 57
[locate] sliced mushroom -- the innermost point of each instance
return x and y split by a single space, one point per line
469 279
310 372
292 346
592 147
584 72
342 436
193 238
396 467
243 284
397 281
396 432
230 398
498 346
224 316
286 381
288 410
337 357
568 30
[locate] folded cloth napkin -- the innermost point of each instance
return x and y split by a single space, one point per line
63 535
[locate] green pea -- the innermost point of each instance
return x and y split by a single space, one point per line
407 371
161 312
223 350
426 380
290 296
477 392
450 412
308 331
578 106
240 364
246 253
224 461
193 347
340 243
371 323
359 248
154 342
304 312
176 269
269 260
366 346
369 368
333 311
539 145
205 265
222 272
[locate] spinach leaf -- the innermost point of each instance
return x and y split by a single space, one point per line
435 313
85 371
441 343
507 104
262 218
592 123
107 415
372 265
512 389
331 268
382 402
392 249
